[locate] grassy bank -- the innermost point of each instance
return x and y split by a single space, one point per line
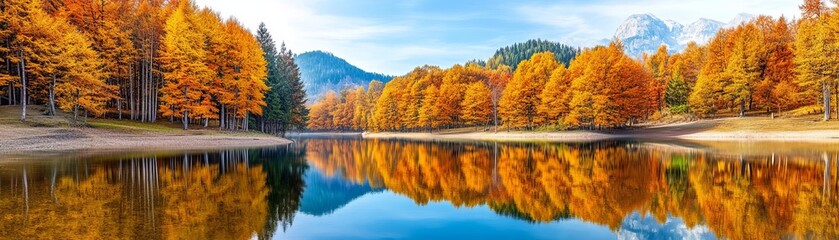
60 133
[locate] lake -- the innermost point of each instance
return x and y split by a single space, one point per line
374 189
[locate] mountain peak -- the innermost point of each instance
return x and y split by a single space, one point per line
641 24
643 16
739 19
641 32
645 33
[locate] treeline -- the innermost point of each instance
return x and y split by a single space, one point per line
514 54
764 65
541 91
145 60
426 98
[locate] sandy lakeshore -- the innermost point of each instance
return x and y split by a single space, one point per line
732 129
15 139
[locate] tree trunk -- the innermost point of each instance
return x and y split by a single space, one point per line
10 91
23 86
826 91
837 99
742 108
131 91
119 99
52 96
245 122
185 119
221 118
152 86
235 121
142 89
75 113
186 111
495 115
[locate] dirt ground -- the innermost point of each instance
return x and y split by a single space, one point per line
15 139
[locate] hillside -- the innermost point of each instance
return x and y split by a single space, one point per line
513 54
323 71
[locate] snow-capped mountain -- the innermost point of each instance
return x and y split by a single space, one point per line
740 18
645 33
700 31
675 27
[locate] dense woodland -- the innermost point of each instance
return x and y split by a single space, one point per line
146 60
766 65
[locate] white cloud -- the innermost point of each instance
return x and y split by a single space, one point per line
395 43
303 28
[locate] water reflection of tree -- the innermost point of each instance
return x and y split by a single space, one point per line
210 195
284 167
738 197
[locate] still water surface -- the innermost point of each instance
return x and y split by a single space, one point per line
373 189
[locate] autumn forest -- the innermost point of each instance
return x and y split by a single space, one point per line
147 61
764 66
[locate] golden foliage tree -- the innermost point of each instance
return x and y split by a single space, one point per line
321 114
183 56
83 85
610 92
521 98
476 105
428 112
816 51
658 65
707 94
556 96
743 70
247 75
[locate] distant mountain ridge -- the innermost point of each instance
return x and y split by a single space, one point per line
322 72
644 33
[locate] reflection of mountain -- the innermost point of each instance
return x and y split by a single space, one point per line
510 210
324 195
647 227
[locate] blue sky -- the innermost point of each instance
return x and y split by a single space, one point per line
392 37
